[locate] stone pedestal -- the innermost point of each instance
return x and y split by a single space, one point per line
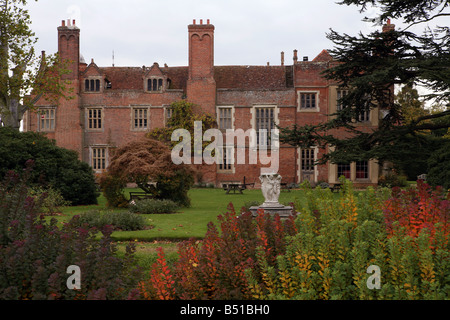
270 188
283 211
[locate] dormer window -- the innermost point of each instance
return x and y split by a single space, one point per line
92 85
155 84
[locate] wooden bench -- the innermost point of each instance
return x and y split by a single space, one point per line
233 186
140 195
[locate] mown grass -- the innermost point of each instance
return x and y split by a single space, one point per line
169 229
186 223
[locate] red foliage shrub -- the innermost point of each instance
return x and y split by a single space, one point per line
213 268
418 208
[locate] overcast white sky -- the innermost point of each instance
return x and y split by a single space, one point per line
247 32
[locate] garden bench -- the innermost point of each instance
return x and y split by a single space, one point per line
235 186
140 195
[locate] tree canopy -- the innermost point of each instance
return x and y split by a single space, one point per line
370 67
21 72
148 163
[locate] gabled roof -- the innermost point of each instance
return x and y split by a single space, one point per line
92 69
324 56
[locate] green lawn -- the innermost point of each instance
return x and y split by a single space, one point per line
190 222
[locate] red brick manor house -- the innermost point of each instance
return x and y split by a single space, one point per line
115 105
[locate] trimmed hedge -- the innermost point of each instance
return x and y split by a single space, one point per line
151 206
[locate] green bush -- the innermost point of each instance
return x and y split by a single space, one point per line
112 188
151 206
53 165
392 180
121 220
175 187
52 199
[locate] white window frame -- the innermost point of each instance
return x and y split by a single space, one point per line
146 117
40 114
102 119
229 154
299 168
317 99
95 79
218 108
92 152
255 144
167 110
159 88
364 117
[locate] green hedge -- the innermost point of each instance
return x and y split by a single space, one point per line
151 206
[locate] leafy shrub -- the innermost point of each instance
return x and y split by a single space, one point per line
53 165
214 268
35 253
324 255
391 180
150 206
112 188
418 208
119 220
175 187
15 204
52 199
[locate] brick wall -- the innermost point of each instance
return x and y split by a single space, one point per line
241 87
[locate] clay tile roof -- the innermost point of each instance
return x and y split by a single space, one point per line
177 75
127 78
250 77
227 77
131 78
324 56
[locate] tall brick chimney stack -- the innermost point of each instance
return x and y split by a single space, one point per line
201 86
69 47
388 26
68 132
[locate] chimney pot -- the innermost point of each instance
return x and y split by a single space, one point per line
68 22
295 55
63 23
73 22
194 21
282 58
207 21
201 21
